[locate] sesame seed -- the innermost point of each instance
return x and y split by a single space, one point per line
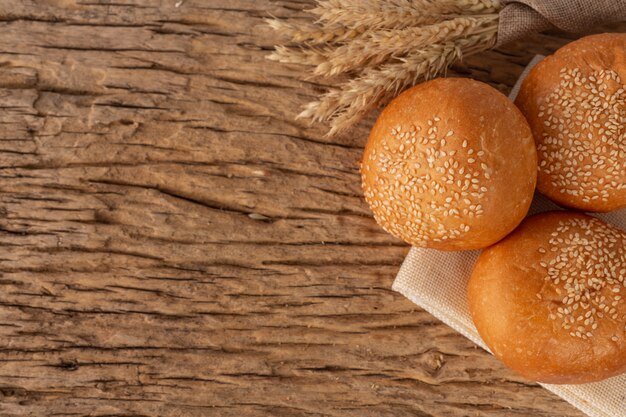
587 265
581 148
433 171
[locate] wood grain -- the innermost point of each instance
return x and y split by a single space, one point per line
173 243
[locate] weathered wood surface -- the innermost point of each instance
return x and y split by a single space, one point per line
173 243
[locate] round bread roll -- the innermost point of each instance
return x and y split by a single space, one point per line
575 101
549 299
450 164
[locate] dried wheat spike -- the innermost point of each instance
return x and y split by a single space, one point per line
383 47
313 34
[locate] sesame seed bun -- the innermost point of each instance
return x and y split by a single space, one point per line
549 299
575 102
450 164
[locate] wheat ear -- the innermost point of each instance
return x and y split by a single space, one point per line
347 105
383 46
313 34
392 14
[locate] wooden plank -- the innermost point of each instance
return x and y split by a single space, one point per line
173 243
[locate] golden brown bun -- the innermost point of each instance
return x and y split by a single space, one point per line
450 164
548 299
574 101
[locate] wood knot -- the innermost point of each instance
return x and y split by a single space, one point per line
67 365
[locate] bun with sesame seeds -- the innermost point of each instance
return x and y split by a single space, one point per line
549 299
575 102
450 164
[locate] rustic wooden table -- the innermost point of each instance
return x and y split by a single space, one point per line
173 243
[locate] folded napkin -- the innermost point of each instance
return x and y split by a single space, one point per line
436 281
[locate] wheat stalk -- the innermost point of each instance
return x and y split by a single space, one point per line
384 46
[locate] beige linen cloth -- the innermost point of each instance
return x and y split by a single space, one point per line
436 281
520 18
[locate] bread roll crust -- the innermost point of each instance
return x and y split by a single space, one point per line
450 164
575 102
549 299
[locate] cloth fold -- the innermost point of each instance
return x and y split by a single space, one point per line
520 18
436 281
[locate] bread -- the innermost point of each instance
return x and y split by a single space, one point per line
450 164
549 299
574 101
